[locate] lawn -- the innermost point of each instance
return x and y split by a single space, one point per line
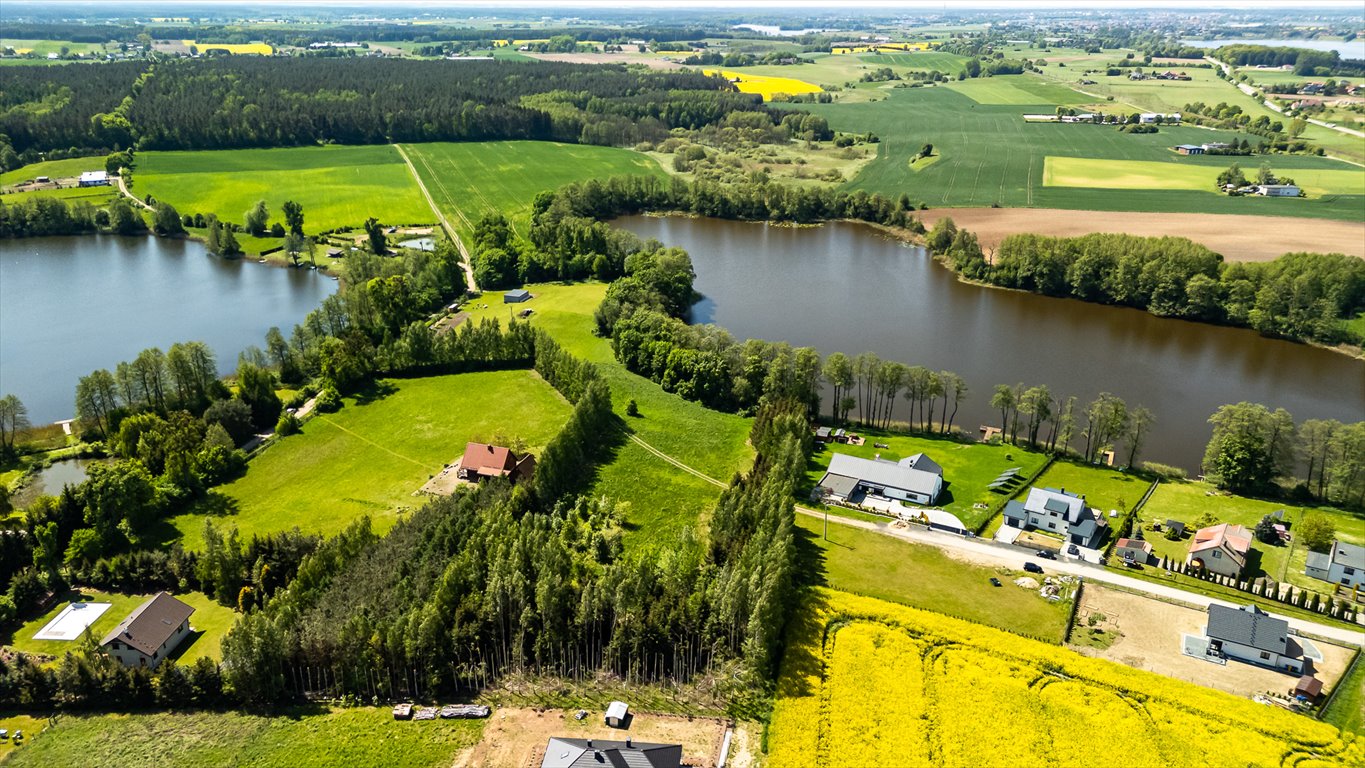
967 467
887 568
1187 501
1017 90
1104 489
53 169
470 179
210 622
989 155
337 186
13 721
371 456
96 196
1148 174
837 69
298 738
1346 710
866 682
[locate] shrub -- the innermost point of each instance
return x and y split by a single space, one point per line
1164 471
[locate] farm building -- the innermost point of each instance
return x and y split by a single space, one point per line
150 633
1344 565
1190 149
915 478
516 296
482 462
1277 190
1251 635
1159 117
1220 549
94 179
1052 509
563 752
1133 551
618 714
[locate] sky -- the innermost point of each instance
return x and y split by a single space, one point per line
783 5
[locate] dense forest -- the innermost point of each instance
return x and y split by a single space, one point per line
1305 61
1298 295
235 102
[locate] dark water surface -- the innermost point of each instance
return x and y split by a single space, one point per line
844 287
69 305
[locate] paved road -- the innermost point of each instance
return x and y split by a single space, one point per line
1248 90
465 261
1006 554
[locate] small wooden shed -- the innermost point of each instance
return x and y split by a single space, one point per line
618 714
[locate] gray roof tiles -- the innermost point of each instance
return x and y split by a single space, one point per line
1349 555
563 752
151 624
886 473
1248 626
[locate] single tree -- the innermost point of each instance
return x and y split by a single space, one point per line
1316 531
257 219
293 217
13 419
375 232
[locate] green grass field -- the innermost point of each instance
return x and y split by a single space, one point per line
1104 489
967 467
470 179
210 621
837 69
887 568
53 169
1187 501
296 738
371 458
1347 709
337 186
989 155
663 498
1016 90
1149 174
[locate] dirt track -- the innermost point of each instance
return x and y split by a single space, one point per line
1237 237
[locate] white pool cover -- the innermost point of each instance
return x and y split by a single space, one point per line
72 621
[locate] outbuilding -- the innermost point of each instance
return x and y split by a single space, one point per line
618 714
516 296
1277 190
94 179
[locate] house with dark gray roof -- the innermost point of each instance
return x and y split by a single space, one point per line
1055 510
1251 635
917 478
150 633
594 753
1344 565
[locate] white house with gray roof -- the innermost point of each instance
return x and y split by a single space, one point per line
563 752
1251 635
1344 565
1055 510
917 479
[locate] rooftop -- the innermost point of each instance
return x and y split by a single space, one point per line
563 752
889 473
151 624
1349 555
1248 626
1237 538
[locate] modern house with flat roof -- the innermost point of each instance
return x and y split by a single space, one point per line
150 633
1277 190
1220 549
1055 510
563 752
1251 635
1344 565
917 479
516 296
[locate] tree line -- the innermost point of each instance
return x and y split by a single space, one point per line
1304 60
1253 449
1298 295
239 101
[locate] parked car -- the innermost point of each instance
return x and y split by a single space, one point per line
995 582
1033 567
1073 550
1047 554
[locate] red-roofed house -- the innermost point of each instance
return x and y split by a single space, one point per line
1133 551
1221 549
482 461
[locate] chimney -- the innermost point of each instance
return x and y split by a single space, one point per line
628 746
589 743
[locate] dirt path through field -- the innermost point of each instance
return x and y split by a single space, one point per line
1238 237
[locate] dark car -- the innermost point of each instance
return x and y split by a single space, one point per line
995 582
1046 554
1033 567
1073 550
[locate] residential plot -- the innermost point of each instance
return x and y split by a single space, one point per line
1148 174
1017 89
1104 489
210 623
516 737
1148 634
337 186
371 457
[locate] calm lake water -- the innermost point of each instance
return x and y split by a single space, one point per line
70 305
1352 50
844 287
50 480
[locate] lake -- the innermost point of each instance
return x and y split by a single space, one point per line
1352 50
844 287
50 480
70 305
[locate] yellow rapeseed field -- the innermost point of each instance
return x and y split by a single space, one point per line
767 86
865 682
883 47
261 48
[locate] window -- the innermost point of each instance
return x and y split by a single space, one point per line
1265 656
1346 580
1216 553
1349 571
1052 525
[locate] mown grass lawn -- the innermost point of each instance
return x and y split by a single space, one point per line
366 736
1346 710
1174 174
884 567
370 457
337 186
53 169
967 467
470 179
210 621
1104 489
17 721
1187 501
